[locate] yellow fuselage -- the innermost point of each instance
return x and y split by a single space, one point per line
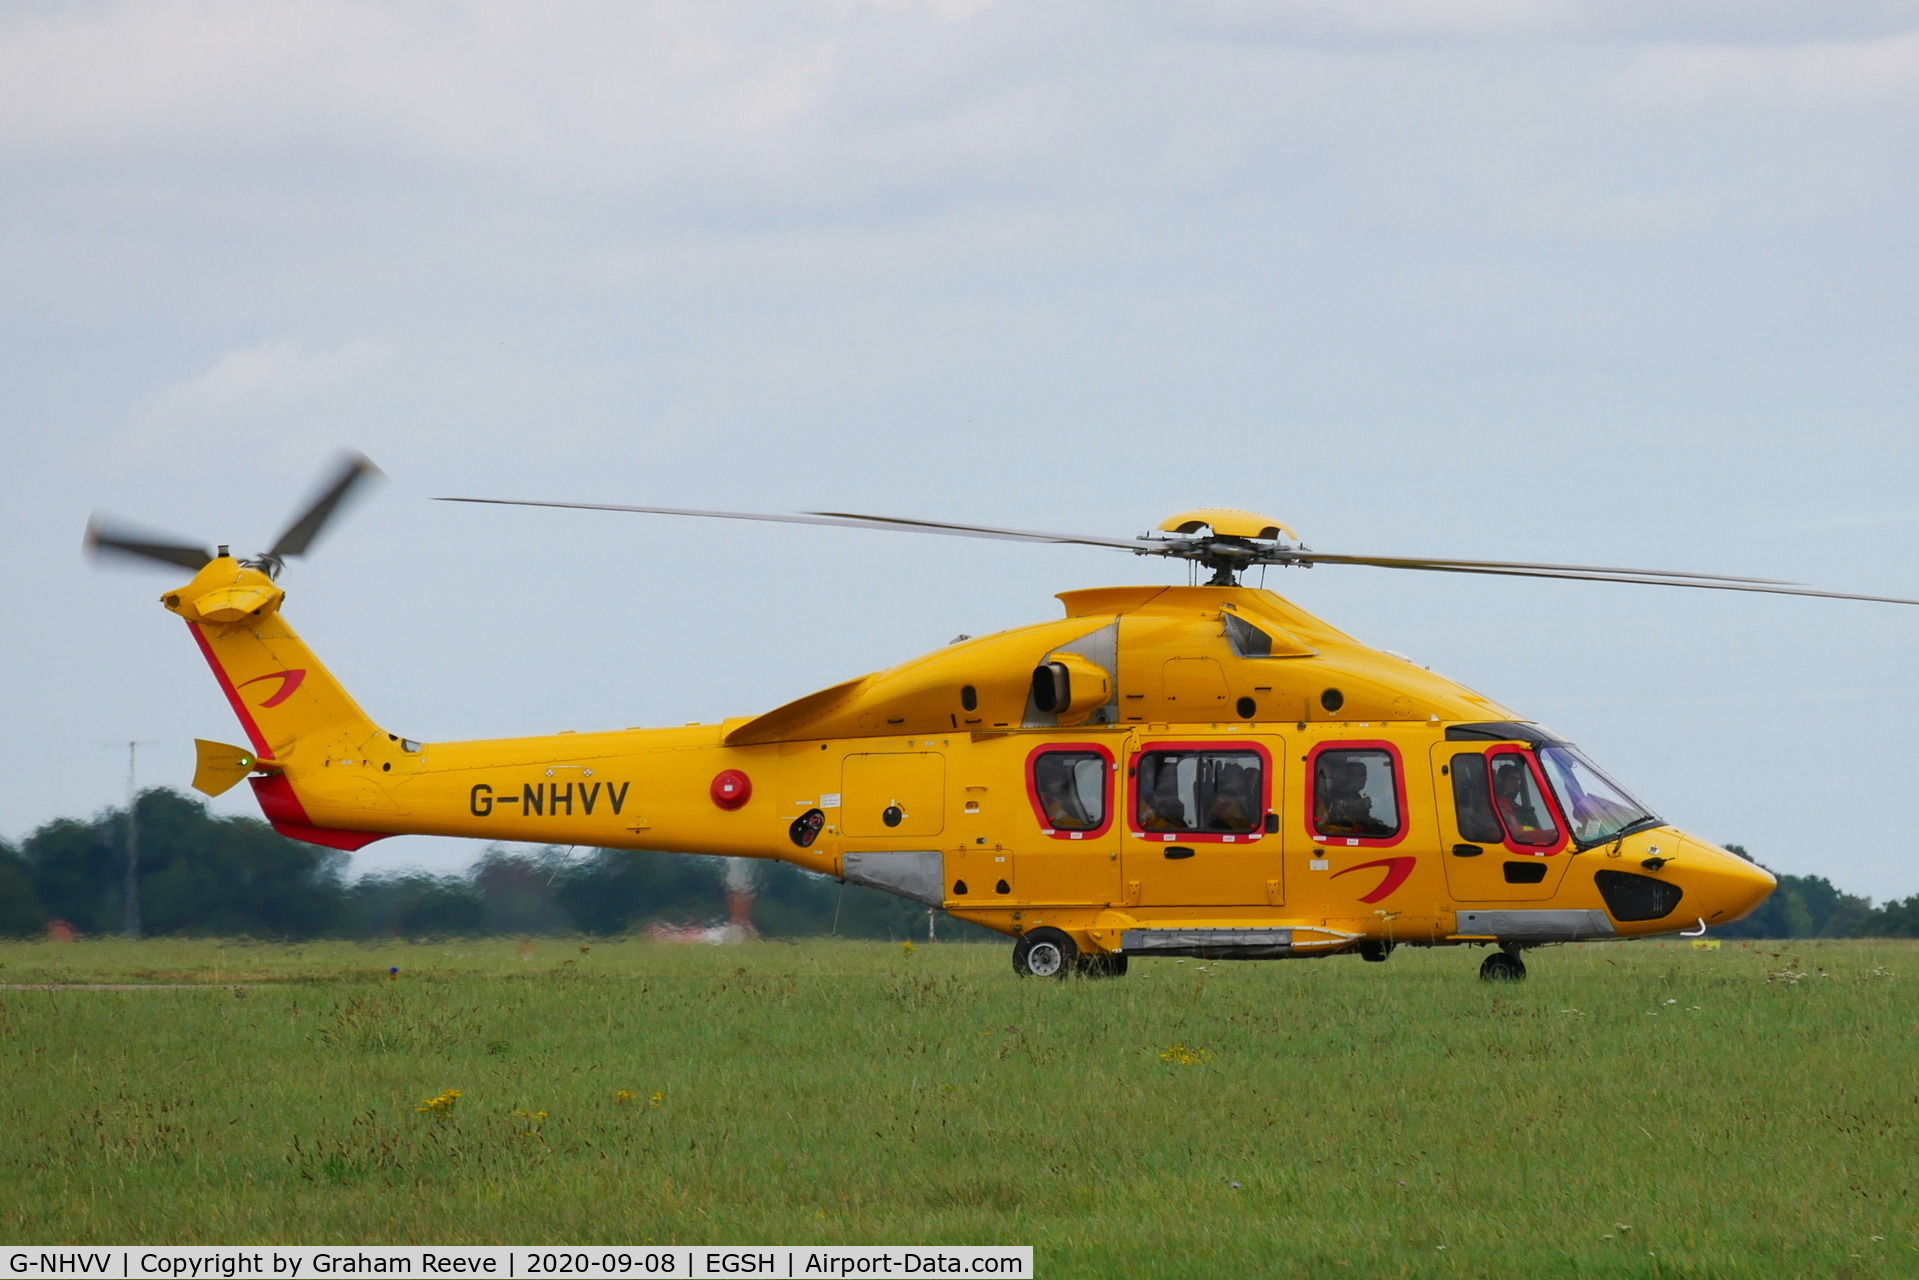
922 780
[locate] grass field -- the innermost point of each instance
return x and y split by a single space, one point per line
1632 1110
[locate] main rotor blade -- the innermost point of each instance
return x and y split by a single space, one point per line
1466 566
833 519
989 531
1644 580
355 469
1254 555
1186 550
102 540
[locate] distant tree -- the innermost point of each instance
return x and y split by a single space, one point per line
1898 919
198 874
21 914
76 873
1801 907
789 902
614 891
415 905
517 892
232 876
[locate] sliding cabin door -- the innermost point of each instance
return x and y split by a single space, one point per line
1201 821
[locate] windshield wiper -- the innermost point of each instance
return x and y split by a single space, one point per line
1638 824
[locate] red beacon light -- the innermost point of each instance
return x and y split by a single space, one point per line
731 789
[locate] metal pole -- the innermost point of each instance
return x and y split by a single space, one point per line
131 892
133 844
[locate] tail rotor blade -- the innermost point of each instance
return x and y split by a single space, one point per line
355 469
105 540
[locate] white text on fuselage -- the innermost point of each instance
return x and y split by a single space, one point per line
550 799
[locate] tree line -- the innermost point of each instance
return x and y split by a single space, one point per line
202 875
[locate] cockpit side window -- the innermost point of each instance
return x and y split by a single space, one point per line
1500 797
1069 788
1473 801
1520 803
1356 795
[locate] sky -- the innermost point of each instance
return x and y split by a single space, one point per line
1608 283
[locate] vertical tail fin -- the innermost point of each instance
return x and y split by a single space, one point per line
282 694
294 712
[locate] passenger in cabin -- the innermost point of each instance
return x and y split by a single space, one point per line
1341 806
1058 789
1235 799
1160 806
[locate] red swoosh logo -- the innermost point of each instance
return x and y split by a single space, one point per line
289 681
1397 869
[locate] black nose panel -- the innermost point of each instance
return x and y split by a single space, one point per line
1635 897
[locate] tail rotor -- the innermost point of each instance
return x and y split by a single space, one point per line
106 537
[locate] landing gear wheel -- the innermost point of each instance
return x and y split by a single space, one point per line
1102 964
1045 953
1502 966
1375 951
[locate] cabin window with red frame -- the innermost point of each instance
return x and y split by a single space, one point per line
1070 787
1355 795
1218 792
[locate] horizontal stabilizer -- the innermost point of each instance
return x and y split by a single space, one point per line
221 766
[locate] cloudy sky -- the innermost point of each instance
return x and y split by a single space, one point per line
1616 282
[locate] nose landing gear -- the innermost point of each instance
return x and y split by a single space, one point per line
1503 966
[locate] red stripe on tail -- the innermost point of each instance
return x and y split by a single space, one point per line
275 794
289 817
260 747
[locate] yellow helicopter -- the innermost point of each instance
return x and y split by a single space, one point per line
1204 770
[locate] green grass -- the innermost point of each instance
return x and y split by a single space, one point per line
1632 1110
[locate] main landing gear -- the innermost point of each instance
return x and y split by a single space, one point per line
1050 953
1044 953
1503 966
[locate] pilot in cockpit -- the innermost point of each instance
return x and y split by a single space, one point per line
1514 793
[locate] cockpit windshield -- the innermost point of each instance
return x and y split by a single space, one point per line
1597 807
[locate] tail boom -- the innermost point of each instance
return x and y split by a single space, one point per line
325 773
